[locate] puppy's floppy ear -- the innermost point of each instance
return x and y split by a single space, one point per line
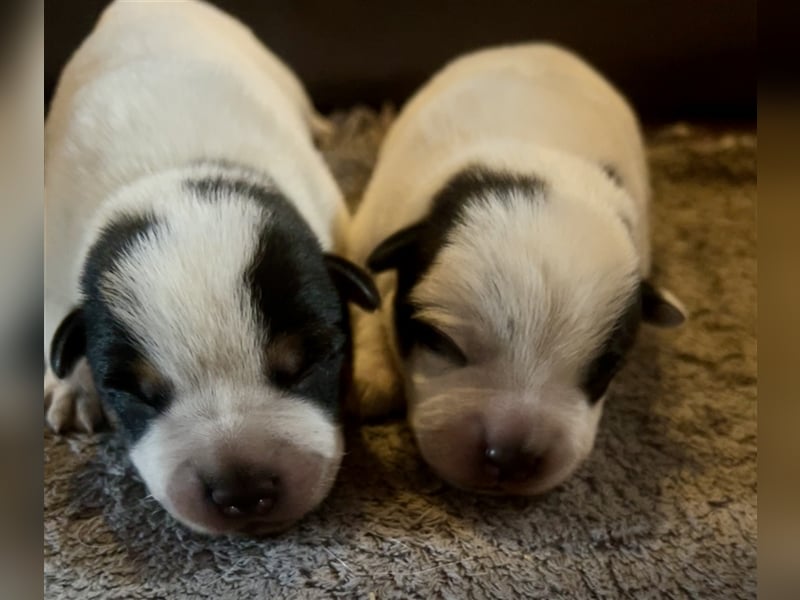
396 250
68 344
353 283
660 307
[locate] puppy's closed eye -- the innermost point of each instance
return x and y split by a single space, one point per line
435 340
141 380
600 373
286 360
155 394
290 357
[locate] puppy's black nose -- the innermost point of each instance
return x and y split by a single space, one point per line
511 463
237 497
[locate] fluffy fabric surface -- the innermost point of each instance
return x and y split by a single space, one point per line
666 505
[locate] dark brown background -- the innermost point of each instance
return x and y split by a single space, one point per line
679 59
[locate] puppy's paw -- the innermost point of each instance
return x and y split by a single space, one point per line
72 403
377 389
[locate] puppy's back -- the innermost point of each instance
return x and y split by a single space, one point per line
156 84
498 106
537 93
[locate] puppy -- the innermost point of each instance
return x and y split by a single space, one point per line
188 280
508 215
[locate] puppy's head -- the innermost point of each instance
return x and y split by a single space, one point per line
517 300
217 333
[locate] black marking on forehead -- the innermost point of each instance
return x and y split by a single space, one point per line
227 186
115 240
610 356
291 291
613 174
473 186
112 351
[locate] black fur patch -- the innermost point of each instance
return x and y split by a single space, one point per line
293 292
111 350
472 186
611 356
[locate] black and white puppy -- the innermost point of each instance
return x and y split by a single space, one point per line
188 280
509 210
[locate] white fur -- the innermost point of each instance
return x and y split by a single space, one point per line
558 268
155 88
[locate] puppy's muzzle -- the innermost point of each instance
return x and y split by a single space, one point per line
253 491
496 455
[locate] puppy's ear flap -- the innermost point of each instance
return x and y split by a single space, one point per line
396 250
660 307
68 344
353 283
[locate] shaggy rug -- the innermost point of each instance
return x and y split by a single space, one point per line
665 507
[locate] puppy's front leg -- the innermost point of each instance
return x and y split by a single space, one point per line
72 403
377 385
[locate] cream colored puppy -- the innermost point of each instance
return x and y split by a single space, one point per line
508 213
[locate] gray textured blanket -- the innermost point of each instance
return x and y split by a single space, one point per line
665 507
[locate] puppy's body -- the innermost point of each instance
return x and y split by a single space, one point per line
188 214
510 197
